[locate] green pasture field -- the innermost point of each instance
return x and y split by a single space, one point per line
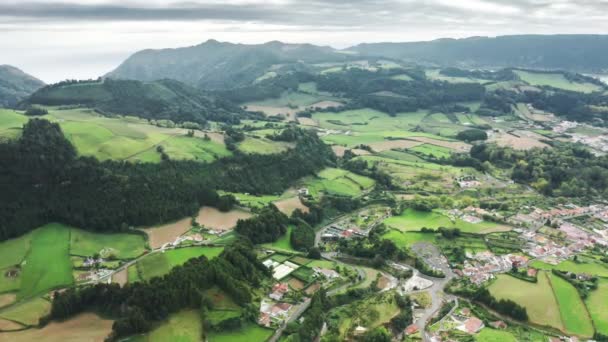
159 264
408 238
253 201
432 150
370 276
11 123
48 264
13 251
572 309
27 313
220 300
493 335
368 120
290 98
538 299
571 266
596 304
413 220
338 182
121 137
184 326
262 146
216 316
555 80
283 243
122 246
248 333
403 156
435 74
330 265
133 274
305 274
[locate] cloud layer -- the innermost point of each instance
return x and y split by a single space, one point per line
67 38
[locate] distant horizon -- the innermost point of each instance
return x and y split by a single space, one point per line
114 60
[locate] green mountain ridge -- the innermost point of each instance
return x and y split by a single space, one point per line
218 65
581 53
15 85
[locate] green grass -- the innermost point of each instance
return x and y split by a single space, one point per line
220 300
159 264
11 123
493 335
47 265
248 333
556 80
132 274
596 304
217 316
12 252
262 146
253 201
28 312
122 246
338 182
538 299
177 257
184 326
572 309
571 266
408 238
283 243
432 150
413 220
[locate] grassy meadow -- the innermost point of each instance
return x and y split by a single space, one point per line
572 309
121 246
161 263
337 182
556 80
27 313
414 220
596 304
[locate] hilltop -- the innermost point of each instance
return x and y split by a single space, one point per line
159 100
219 65
16 85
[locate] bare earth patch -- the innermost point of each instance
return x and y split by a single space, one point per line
391 144
339 151
6 325
454 145
325 104
212 218
307 121
84 327
121 278
289 113
287 206
296 283
158 236
383 282
6 299
519 140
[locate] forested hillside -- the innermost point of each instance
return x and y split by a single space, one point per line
216 65
585 53
42 180
15 85
159 100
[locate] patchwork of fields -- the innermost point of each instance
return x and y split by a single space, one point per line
413 220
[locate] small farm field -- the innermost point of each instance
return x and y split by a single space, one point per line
493 335
159 264
121 246
538 299
248 333
47 265
184 326
160 235
253 201
596 304
555 80
83 327
212 218
283 243
432 150
262 146
414 220
288 205
28 312
571 266
338 182
572 309
408 238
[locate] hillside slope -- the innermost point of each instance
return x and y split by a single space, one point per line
15 85
583 53
159 100
216 65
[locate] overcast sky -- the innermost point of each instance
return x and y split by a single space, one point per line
55 40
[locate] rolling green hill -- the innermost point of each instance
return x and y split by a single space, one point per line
158 100
15 85
217 65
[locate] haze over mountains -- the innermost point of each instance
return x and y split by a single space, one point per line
214 65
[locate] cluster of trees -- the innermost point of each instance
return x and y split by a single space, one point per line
137 306
303 236
565 170
267 226
36 111
42 179
363 87
503 306
472 134
405 316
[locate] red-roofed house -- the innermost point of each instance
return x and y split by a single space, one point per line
472 325
412 329
278 290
